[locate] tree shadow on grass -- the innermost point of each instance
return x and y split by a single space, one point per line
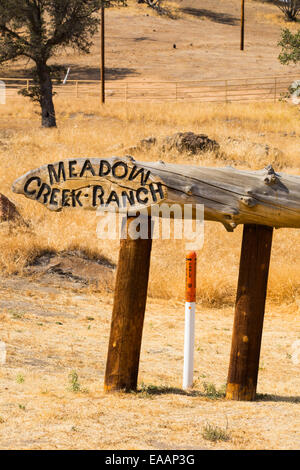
93 73
77 72
222 18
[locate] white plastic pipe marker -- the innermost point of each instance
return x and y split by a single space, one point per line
189 331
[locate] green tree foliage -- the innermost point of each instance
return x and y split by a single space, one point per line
290 47
38 30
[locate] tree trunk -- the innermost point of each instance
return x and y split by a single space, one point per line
46 96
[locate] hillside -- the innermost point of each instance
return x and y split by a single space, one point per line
206 33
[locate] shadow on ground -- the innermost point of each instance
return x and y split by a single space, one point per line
76 72
148 390
164 390
93 73
278 398
222 18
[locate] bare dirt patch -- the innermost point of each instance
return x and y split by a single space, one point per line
73 266
51 331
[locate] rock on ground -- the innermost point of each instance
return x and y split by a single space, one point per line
190 142
181 141
8 211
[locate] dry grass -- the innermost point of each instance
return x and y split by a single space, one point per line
278 18
86 129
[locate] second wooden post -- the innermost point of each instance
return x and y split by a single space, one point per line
249 312
128 311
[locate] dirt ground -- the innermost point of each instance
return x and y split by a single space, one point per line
52 330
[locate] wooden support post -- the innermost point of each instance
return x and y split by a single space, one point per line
128 312
249 312
242 24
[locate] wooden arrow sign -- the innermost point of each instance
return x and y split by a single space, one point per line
229 196
113 184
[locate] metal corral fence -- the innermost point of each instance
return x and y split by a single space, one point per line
229 90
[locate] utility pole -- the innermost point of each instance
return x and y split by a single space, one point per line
102 55
242 24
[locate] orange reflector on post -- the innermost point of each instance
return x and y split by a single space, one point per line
190 280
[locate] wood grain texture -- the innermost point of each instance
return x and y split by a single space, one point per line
232 196
249 312
128 313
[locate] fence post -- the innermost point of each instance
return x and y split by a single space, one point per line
176 91
27 85
126 92
226 91
77 91
249 312
128 311
275 88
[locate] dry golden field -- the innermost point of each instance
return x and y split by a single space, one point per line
54 326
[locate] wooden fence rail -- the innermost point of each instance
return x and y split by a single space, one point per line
228 90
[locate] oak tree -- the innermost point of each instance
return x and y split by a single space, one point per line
38 30
290 47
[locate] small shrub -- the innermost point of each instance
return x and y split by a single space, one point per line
20 379
74 383
148 391
211 391
215 433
